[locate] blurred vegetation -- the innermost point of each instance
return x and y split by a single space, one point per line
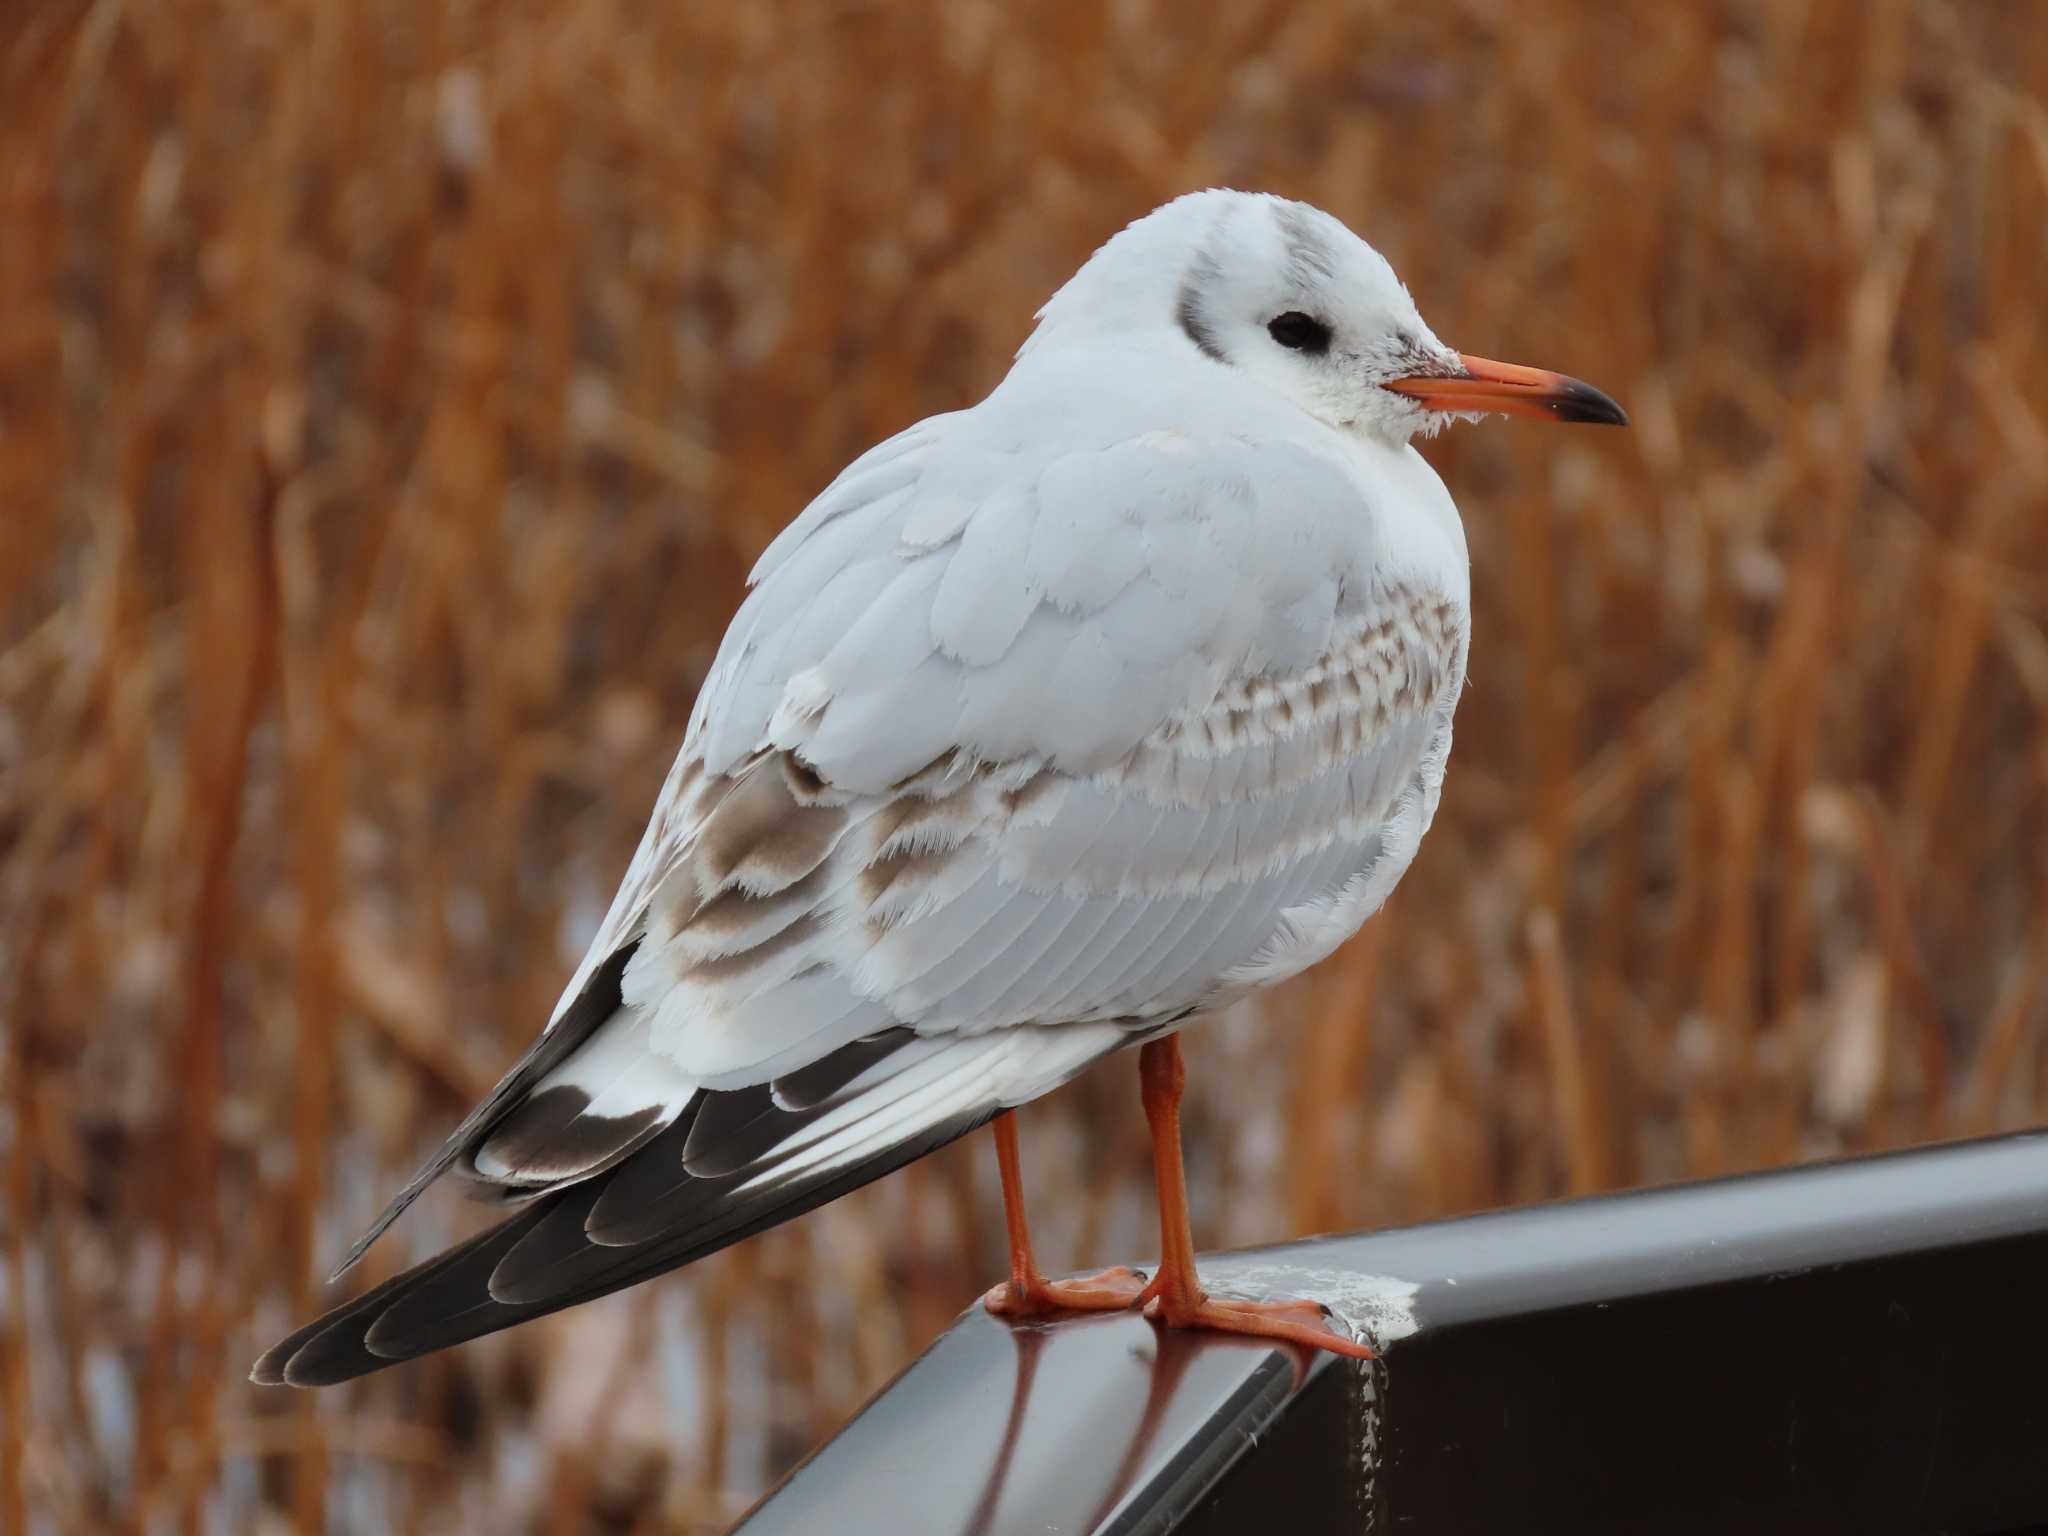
393 396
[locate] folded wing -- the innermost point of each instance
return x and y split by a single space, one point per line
995 772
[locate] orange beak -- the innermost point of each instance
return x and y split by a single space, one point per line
1511 390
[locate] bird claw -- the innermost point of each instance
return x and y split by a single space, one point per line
1112 1290
1302 1322
1122 1288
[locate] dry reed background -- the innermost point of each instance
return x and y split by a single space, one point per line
392 397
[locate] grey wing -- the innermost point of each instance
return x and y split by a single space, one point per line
988 777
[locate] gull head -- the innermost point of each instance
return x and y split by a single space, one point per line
1287 295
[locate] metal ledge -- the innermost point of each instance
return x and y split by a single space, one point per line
1857 1347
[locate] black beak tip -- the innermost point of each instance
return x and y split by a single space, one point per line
1584 403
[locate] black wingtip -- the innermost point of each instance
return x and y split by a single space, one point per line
312 1356
295 1361
553 1254
268 1371
597 1002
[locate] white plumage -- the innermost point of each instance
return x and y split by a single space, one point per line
1048 725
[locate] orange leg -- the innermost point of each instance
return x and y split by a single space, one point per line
1028 1294
1175 1296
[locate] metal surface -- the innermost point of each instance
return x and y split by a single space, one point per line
1858 1346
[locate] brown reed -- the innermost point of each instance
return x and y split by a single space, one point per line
393 396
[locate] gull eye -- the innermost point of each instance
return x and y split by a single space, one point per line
1299 332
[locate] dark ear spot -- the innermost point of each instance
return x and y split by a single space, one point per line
1189 312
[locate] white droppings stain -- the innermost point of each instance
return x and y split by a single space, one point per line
1376 1309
